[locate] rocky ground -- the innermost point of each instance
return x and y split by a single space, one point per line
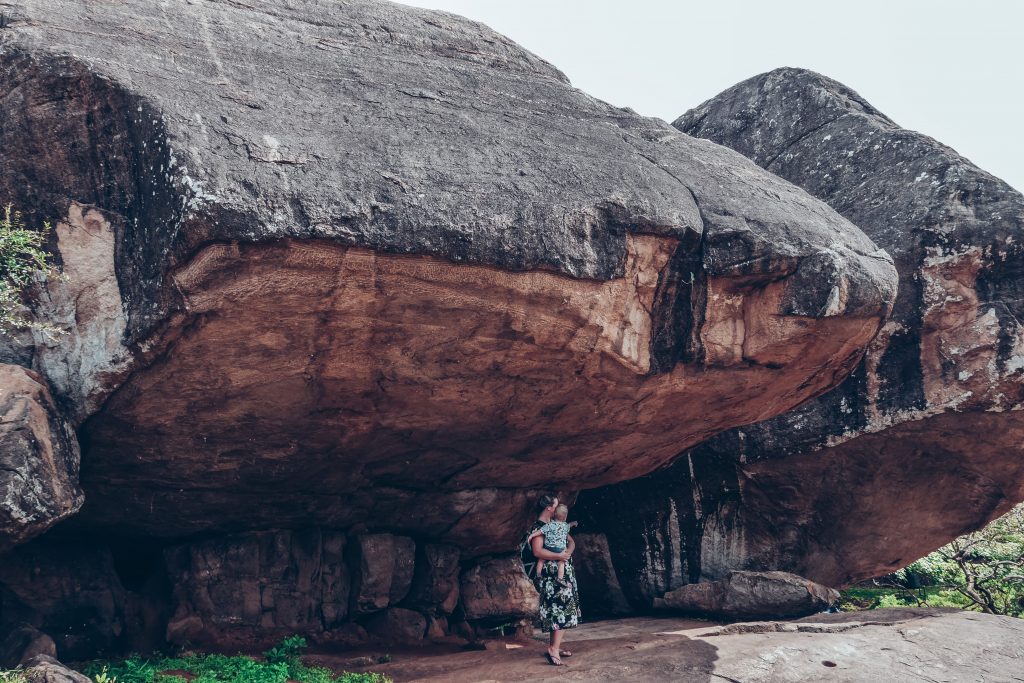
892 645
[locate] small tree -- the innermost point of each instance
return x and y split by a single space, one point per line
21 256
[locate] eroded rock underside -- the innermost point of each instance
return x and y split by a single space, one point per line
344 273
923 441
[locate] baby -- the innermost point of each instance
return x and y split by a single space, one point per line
556 537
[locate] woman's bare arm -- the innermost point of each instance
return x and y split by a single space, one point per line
537 546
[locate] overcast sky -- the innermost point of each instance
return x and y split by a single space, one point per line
952 70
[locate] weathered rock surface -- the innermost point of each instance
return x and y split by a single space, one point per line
257 587
378 265
39 458
923 442
498 588
435 583
46 669
382 569
751 595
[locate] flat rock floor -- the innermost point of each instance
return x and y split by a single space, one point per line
892 645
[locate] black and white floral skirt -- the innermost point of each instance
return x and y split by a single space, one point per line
559 605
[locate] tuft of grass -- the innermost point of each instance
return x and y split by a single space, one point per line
13 676
282 663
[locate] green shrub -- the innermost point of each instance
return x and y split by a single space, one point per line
13 676
281 663
21 255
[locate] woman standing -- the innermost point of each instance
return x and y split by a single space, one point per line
559 601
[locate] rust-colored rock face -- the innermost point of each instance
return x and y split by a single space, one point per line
388 388
923 442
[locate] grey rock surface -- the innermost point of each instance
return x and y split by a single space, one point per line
447 138
46 669
922 442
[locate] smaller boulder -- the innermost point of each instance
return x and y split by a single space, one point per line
382 570
498 588
46 669
437 628
435 583
398 625
751 595
22 643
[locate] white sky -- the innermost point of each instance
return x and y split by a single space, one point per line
952 70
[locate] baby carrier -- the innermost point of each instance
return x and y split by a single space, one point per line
529 562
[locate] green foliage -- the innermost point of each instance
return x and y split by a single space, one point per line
282 663
21 255
13 676
863 598
981 571
287 651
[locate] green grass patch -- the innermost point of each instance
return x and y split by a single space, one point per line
281 663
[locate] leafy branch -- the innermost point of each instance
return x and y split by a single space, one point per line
22 255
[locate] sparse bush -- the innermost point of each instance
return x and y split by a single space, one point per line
21 256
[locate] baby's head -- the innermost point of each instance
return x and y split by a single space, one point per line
561 512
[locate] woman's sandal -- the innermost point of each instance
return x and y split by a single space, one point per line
553 661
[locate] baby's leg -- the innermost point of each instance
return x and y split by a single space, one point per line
561 570
540 566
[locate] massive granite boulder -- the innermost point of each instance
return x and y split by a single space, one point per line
363 265
923 441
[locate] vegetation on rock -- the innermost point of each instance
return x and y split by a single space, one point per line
22 254
281 664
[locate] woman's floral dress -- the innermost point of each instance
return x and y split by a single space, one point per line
559 605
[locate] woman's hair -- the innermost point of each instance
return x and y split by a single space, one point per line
545 502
